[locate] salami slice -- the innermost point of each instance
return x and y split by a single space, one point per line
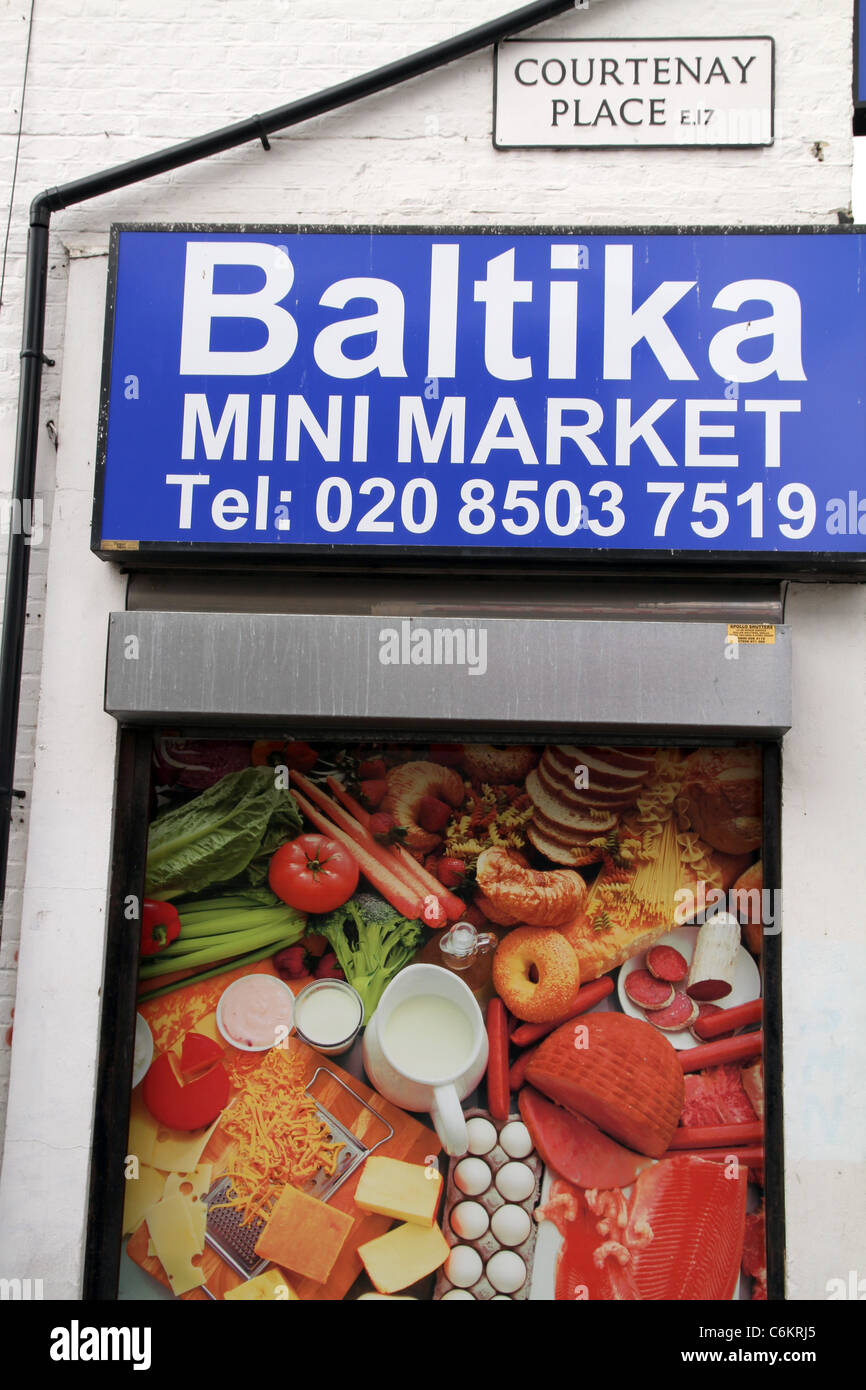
677 1016
665 963
648 993
706 1011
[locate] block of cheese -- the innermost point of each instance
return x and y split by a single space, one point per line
175 1242
304 1235
406 1191
139 1195
403 1255
268 1287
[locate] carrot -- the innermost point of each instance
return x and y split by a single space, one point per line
395 857
391 887
359 834
498 1094
714 1054
587 998
738 1017
517 1074
352 806
748 1158
714 1136
453 906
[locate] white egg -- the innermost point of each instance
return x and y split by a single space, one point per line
458 1293
500 1298
506 1271
469 1221
482 1135
511 1225
463 1266
516 1140
472 1176
515 1181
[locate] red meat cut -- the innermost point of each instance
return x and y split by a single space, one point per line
616 1071
576 1149
716 1097
755 1253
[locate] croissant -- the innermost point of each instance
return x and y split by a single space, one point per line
534 897
407 786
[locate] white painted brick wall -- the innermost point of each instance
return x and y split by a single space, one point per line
109 80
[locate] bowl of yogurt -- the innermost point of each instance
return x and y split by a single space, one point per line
255 1012
328 1016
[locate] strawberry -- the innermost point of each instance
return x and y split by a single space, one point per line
291 962
385 829
372 770
451 872
433 815
373 792
328 968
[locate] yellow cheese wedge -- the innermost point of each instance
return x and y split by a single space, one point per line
406 1191
179 1152
271 1286
175 1242
140 1194
403 1255
195 1184
143 1130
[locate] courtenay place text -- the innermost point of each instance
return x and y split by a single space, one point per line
574 93
438 390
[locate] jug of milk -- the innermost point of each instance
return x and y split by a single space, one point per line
425 1048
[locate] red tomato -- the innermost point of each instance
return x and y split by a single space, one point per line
313 874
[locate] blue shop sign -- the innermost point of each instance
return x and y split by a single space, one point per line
646 395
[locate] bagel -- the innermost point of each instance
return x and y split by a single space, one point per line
484 763
534 897
544 952
407 785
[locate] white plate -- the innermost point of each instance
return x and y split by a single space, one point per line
747 980
143 1054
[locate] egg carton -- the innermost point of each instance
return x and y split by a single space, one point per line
491 1200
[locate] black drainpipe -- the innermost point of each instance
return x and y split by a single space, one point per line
36 272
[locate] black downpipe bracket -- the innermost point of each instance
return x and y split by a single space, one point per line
257 127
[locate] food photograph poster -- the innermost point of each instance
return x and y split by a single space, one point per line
449 1021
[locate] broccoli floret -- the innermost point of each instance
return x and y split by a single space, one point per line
371 941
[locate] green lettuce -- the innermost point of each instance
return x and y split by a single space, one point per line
225 835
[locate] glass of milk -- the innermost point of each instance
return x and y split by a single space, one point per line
328 1016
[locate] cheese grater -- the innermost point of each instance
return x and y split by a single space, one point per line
236 1243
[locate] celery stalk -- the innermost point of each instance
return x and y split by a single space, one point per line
235 944
223 969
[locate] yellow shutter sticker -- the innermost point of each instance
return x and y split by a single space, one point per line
752 634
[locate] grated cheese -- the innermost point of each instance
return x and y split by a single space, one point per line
279 1138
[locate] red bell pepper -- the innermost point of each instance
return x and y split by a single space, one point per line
160 925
